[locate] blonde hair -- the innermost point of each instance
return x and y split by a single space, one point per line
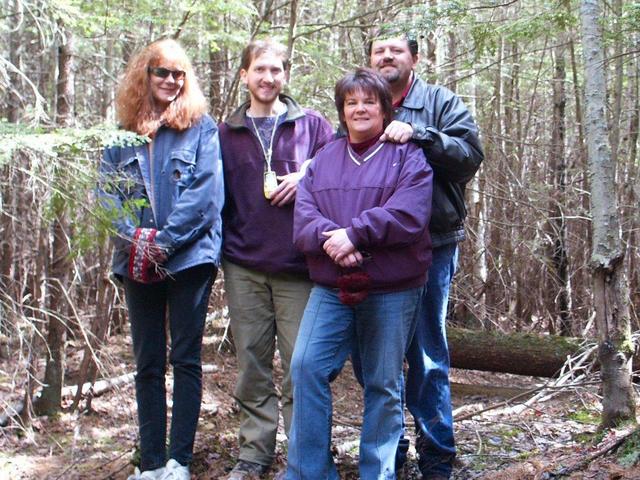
134 102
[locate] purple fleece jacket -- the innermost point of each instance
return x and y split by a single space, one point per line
384 204
257 235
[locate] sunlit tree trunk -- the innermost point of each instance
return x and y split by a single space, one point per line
616 91
631 183
610 289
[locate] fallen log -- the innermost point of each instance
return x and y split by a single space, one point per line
518 353
101 386
90 388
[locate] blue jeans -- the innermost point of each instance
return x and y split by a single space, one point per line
428 394
186 295
381 326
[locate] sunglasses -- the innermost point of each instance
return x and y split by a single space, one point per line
162 72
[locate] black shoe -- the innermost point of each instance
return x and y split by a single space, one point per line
245 470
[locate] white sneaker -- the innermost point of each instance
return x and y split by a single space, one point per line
175 471
147 474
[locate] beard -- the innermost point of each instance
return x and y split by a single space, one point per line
264 97
390 76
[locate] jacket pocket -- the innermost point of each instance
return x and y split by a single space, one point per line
183 167
448 211
129 179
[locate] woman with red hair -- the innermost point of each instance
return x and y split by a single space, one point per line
165 195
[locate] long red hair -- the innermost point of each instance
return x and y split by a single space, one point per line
134 102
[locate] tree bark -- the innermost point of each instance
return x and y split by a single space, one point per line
610 289
7 237
632 184
15 51
493 291
291 34
616 91
431 51
452 69
517 353
64 84
88 368
107 94
217 73
557 226
50 400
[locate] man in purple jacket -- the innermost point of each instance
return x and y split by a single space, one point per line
266 145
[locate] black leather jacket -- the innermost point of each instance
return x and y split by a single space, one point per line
445 130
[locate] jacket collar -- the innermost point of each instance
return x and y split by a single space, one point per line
294 111
415 97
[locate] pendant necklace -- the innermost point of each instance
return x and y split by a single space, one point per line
270 182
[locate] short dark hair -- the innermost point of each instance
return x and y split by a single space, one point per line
381 33
368 81
258 47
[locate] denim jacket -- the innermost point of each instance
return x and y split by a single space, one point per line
445 130
181 196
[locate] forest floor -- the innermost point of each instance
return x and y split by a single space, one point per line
551 438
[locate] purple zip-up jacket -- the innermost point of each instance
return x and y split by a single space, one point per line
384 203
257 235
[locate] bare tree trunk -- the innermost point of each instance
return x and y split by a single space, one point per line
291 34
632 184
7 204
217 73
107 86
577 93
557 226
88 368
7 237
13 99
477 225
50 400
616 92
431 51
611 292
452 69
493 290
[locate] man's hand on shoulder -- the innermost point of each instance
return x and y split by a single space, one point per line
397 132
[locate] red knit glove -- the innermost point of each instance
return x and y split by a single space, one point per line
144 265
354 287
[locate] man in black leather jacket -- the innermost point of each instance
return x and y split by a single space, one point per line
437 120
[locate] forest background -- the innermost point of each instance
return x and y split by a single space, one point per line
518 65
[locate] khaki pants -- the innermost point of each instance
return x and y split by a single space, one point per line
263 307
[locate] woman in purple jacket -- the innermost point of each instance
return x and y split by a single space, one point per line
361 219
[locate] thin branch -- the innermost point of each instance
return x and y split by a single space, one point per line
184 21
349 20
